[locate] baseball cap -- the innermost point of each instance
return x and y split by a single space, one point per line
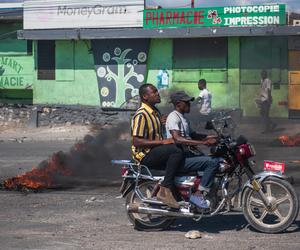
180 96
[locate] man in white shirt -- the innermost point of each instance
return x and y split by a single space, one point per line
265 98
204 98
178 128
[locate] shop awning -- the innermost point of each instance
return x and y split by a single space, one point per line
66 34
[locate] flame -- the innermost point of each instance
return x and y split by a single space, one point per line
290 140
39 178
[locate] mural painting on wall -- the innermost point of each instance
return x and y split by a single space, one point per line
11 74
121 68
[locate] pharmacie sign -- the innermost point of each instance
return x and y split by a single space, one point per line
232 16
11 74
49 14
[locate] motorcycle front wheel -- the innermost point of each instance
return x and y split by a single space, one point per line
282 212
146 221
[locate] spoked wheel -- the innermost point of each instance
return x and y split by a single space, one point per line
281 213
146 221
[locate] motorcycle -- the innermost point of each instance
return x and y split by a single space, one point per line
267 199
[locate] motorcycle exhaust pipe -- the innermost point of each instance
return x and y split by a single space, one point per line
148 210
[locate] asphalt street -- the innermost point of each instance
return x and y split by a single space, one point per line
93 216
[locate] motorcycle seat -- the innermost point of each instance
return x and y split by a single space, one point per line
156 172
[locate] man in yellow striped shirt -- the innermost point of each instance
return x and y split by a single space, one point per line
148 146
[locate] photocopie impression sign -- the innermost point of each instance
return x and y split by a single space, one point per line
232 16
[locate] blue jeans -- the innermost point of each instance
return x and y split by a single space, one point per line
209 165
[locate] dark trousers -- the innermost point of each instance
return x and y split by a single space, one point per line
209 165
168 157
264 112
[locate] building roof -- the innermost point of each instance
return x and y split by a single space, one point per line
12 10
66 34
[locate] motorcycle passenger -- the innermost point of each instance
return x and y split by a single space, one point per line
148 146
178 128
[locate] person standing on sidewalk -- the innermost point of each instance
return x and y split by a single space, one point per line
264 102
204 98
148 146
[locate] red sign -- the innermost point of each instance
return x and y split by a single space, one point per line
274 166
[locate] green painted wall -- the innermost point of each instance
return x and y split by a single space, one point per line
222 82
16 66
248 93
76 81
160 56
233 78
264 53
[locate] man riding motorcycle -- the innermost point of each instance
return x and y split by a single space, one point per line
148 146
178 128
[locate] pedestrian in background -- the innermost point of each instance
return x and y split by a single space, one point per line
204 98
204 105
264 102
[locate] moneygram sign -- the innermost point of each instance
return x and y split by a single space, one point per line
232 16
90 11
49 14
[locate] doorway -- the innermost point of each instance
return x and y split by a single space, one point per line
294 84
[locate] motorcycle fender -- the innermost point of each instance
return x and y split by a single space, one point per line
260 177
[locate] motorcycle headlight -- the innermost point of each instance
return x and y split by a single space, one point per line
242 151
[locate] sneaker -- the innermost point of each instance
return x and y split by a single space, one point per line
199 201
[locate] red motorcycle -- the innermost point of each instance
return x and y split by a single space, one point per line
268 201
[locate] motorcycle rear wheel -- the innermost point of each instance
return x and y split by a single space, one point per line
284 210
146 222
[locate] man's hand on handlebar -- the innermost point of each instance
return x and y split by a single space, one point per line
212 137
209 141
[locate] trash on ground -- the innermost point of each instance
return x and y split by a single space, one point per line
193 234
93 199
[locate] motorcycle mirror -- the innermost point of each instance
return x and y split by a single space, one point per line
209 125
241 140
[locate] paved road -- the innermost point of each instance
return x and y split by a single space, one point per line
66 219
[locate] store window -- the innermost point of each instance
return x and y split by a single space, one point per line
200 53
197 58
46 60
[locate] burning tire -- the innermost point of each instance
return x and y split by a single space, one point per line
280 214
146 221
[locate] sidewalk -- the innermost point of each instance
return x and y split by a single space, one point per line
251 128
64 133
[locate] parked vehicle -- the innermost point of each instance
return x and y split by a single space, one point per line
268 201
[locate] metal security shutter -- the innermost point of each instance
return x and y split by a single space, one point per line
208 53
200 58
46 60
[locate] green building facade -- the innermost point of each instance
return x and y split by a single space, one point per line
63 71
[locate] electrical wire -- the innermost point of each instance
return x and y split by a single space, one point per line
6 35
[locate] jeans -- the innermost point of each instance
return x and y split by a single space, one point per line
165 157
209 165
